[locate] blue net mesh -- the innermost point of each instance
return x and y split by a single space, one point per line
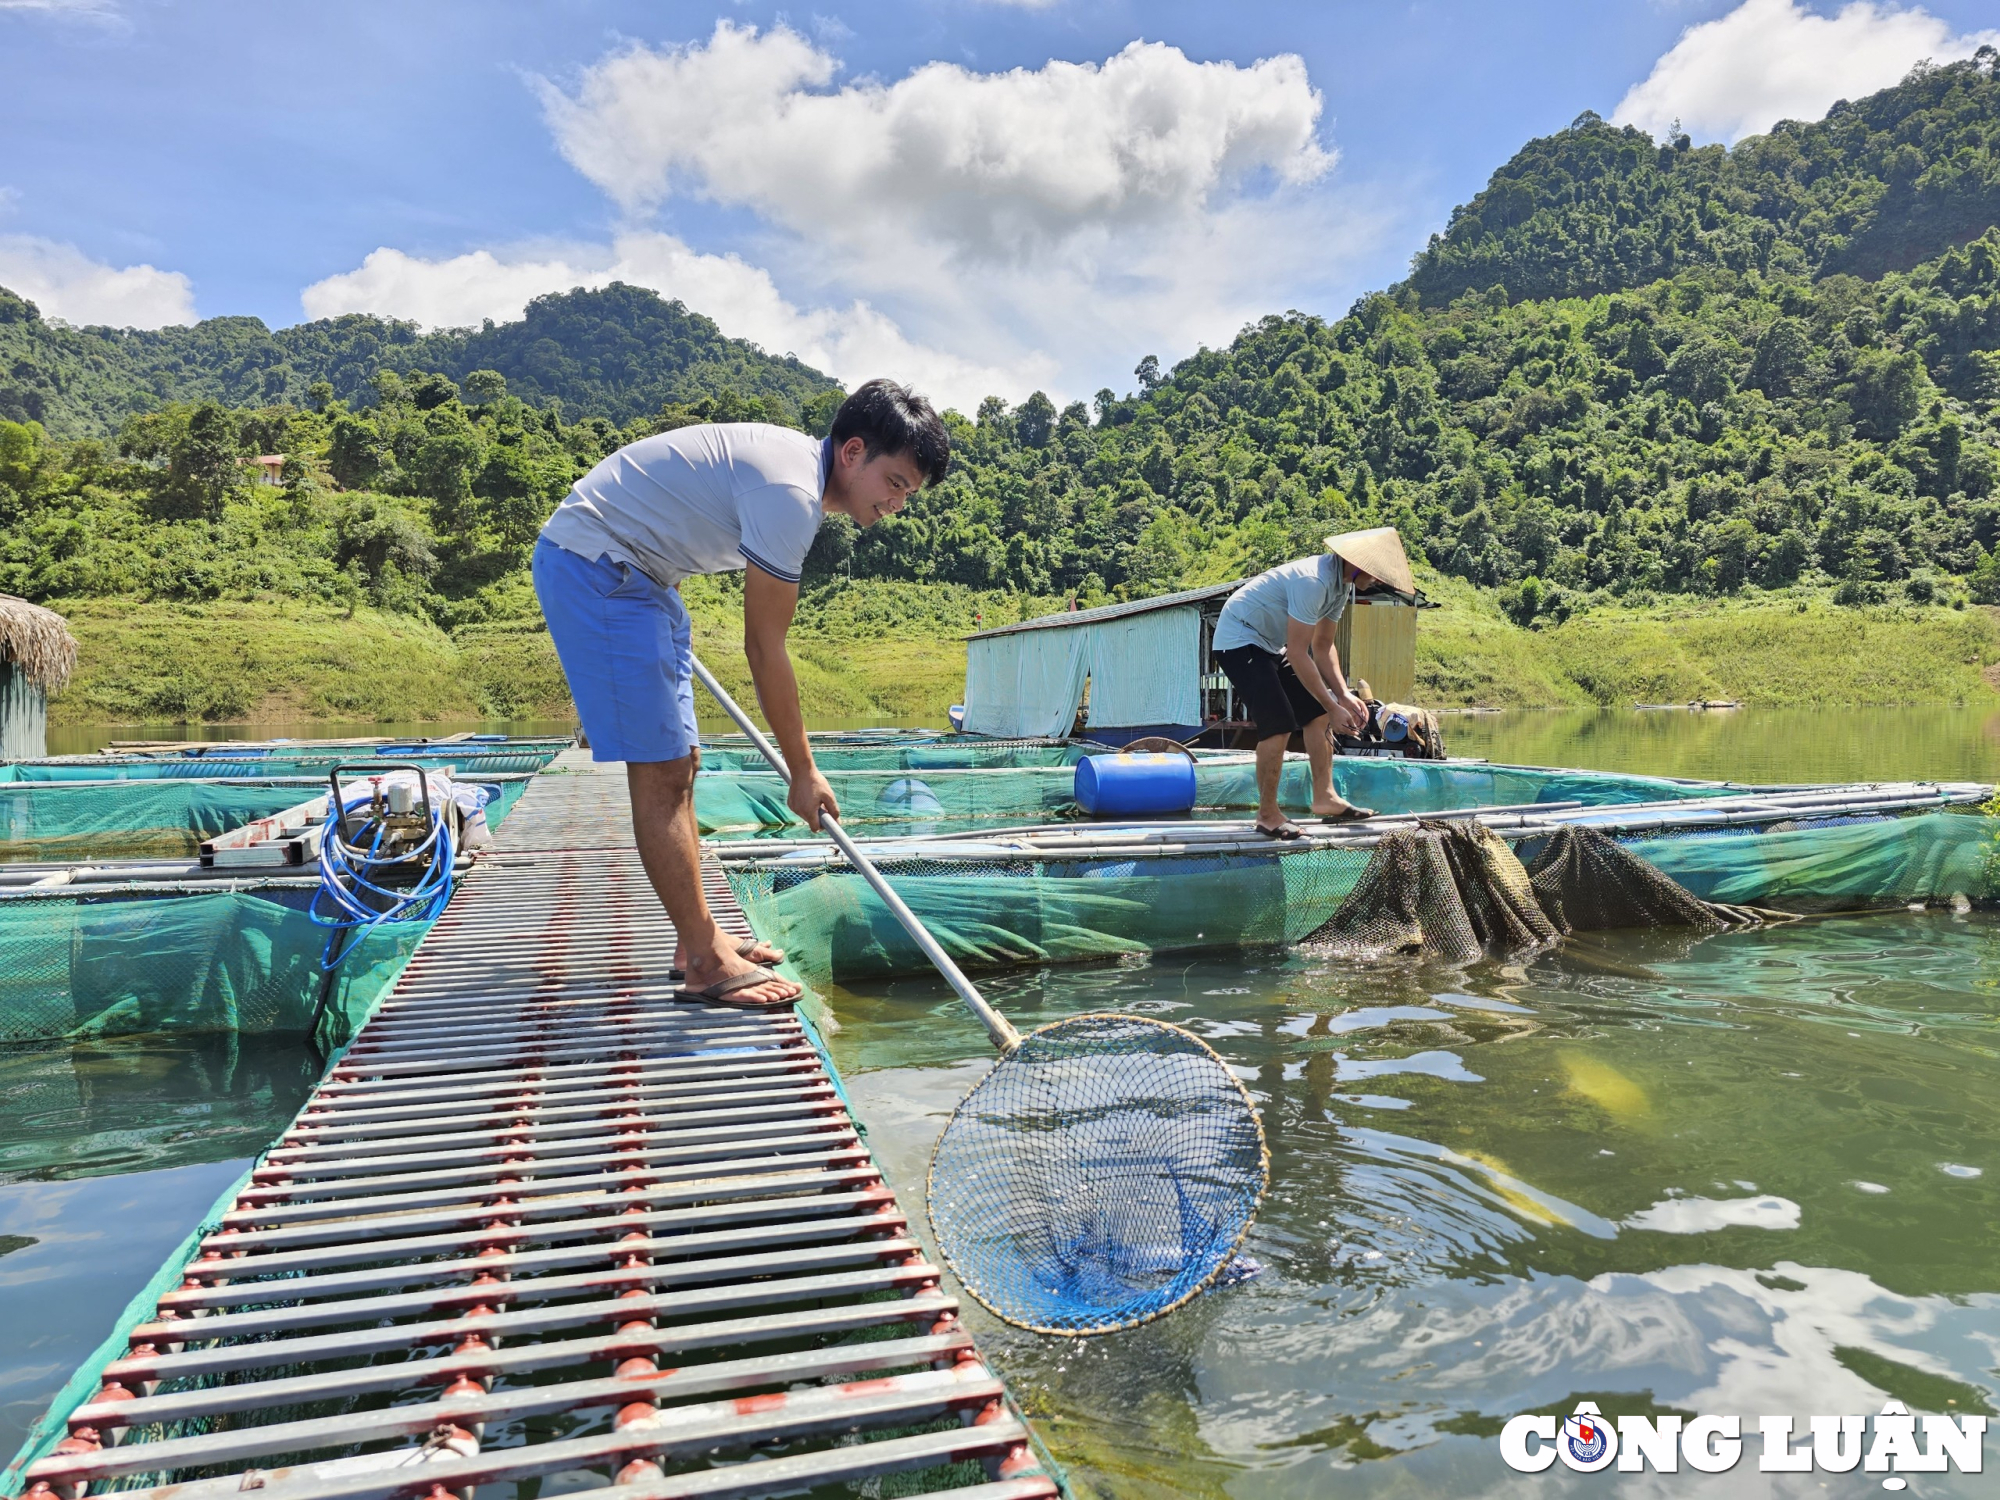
1102 1174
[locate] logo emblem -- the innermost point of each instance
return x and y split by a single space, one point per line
1585 1437
1588 1442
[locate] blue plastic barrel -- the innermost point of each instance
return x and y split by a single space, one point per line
1123 786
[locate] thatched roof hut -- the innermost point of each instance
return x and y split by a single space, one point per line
37 655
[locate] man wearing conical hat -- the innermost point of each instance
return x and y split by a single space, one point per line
1275 640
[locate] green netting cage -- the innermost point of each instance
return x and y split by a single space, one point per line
468 762
71 820
77 963
995 910
56 820
734 801
81 965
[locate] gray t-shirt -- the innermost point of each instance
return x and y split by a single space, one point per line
1309 590
705 499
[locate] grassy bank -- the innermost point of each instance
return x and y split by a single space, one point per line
162 663
1792 651
868 650
897 651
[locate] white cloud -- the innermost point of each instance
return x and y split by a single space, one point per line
65 283
63 7
994 164
1706 1215
1065 219
1771 60
852 342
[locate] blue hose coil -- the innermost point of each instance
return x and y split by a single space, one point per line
342 901
1127 785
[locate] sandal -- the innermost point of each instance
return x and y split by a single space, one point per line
1285 832
743 950
719 992
1349 814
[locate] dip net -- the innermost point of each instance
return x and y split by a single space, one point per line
1102 1174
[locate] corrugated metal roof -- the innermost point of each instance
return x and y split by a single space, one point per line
1068 618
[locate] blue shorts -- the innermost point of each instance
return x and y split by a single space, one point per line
624 645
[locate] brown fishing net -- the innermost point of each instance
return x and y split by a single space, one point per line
1446 891
1406 901
1452 891
1499 899
1588 882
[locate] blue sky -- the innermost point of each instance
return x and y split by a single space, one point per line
982 196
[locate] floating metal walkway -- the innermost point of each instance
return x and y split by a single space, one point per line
544 1226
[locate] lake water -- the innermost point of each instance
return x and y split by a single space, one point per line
1920 742
1750 1173
110 1152
1755 1174
88 739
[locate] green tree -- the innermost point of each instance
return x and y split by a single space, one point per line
356 455
24 455
1884 392
1983 584
1784 354
204 466
445 459
484 387
1035 422
384 546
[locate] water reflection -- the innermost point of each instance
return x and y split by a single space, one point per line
140 1103
1754 745
1630 1168
73 1252
110 1153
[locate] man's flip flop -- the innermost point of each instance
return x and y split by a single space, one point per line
743 950
1349 815
719 992
1284 832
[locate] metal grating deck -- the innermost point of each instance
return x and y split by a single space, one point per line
544 1228
577 804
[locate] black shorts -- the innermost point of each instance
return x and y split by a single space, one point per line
1278 701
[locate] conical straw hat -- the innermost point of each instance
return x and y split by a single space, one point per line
1378 553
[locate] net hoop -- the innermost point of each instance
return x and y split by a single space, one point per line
1222 1261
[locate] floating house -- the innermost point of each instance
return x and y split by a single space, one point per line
37 654
1144 668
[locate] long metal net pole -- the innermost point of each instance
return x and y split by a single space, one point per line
1004 1036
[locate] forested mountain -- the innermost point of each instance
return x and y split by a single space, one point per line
1877 186
1707 431
1750 419
619 352
425 500
1628 369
